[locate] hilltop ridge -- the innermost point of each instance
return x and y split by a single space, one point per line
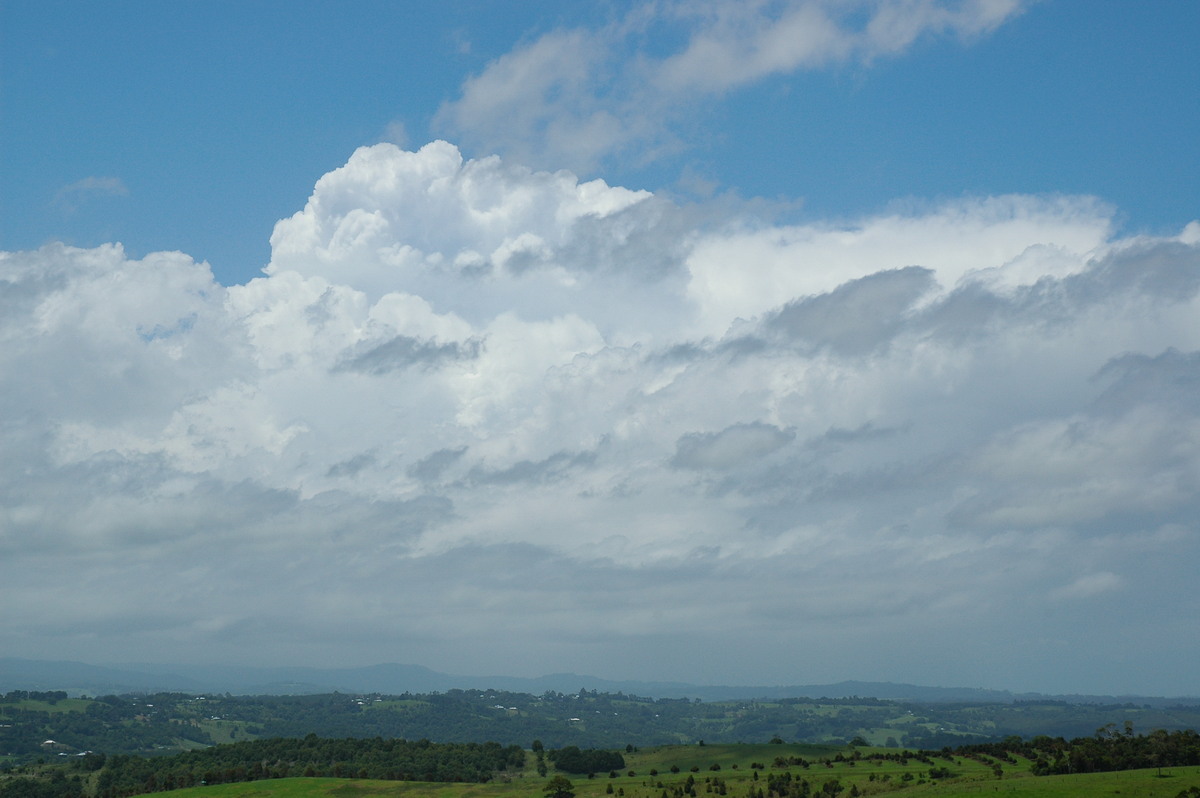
394 678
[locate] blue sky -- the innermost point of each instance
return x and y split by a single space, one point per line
727 342
216 118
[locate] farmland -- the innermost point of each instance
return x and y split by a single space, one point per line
734 771
606 745
165 722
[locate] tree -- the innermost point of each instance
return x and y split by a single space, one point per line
559 787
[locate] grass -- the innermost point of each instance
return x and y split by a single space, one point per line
58 707
703 756
870 777
1125 784
226 731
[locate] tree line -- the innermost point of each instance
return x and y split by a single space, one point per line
572 759
1109 749
122 775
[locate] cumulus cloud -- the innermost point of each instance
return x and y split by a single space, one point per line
472 404
573 97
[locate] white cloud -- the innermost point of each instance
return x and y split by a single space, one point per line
468 392
389 217
573 97
1002 240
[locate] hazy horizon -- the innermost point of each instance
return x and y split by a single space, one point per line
768 343
383 677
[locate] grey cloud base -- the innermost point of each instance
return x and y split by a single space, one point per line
476 413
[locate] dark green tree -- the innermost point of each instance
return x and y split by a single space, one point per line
559 787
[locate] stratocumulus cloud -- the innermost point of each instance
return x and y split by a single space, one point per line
473 406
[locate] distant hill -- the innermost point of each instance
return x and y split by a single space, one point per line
80 678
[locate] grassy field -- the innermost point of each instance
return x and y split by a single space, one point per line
725 770
64 705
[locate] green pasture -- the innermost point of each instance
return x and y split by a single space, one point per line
685 757
734 775
359 788
58 707
1124 784
1127 784
226 731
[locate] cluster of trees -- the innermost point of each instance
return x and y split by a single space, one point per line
123 775
51 697
108 724
688 787
374 758
592 760
1108 750
802 788
57 785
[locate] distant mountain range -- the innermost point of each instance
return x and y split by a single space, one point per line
78 678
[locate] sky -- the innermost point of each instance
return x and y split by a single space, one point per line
759 342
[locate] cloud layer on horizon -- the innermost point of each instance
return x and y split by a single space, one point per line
474 407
